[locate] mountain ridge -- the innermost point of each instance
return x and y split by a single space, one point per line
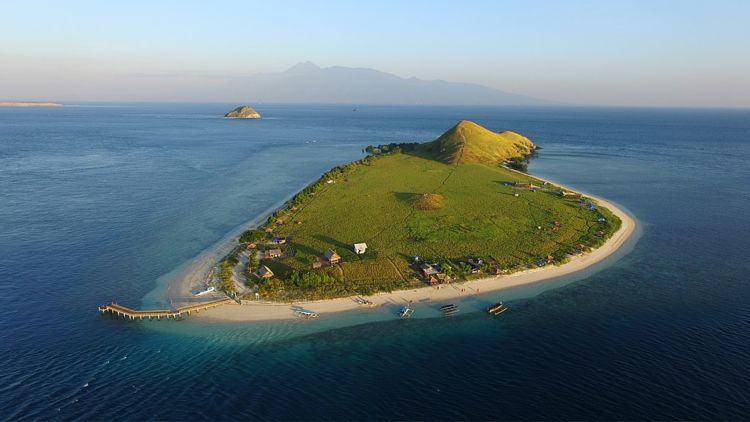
306 82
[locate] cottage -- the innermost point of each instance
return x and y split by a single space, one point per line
278 240
332 257
272 254
252 246
443 278
360 248
264 272
317 264
428 270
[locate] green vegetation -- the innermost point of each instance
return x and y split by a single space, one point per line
252 236
447 202
467 142
518 163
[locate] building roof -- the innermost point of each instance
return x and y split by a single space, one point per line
360 247
331 255
273 252
265 271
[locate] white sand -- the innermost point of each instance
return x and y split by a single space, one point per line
264 311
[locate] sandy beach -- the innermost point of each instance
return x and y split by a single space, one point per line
190 279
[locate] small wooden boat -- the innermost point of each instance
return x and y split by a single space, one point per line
302 313
497 309
449 310
405 312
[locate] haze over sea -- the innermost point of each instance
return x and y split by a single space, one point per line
100 202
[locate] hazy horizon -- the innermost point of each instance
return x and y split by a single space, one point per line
674 54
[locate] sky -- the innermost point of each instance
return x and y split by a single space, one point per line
619 53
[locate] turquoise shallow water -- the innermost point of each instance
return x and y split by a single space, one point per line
99 202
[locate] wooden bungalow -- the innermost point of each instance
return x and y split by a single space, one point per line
428 270
443 278
272 254
332 257
264 272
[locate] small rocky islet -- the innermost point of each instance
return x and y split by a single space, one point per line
243 112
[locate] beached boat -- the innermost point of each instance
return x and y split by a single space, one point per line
405 312
207 291
497 309
449 310
302 313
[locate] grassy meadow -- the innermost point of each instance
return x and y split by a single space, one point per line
474 212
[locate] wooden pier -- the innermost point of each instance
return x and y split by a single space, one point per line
132 314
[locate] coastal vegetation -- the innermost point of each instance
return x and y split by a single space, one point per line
428 213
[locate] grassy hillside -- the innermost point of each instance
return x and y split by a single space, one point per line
404 205
467 142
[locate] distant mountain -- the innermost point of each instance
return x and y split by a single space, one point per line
308 83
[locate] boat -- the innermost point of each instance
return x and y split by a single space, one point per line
303 313
405 312
207 291
449 310
497 309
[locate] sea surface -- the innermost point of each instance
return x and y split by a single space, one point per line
102 202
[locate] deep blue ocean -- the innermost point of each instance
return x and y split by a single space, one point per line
101 202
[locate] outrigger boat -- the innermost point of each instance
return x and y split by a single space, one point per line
302 313
405 312
497 309
207 291
449 310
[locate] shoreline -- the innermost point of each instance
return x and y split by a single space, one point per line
181 286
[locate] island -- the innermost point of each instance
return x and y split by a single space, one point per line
243 112
409 223
28 104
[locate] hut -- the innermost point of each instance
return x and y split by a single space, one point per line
332 257
272 254
428 270
264 272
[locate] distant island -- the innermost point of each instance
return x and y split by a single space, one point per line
413 216
243 112
28 104
309 83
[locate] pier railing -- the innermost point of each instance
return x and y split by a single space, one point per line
133 314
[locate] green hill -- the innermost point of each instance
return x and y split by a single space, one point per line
468 142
